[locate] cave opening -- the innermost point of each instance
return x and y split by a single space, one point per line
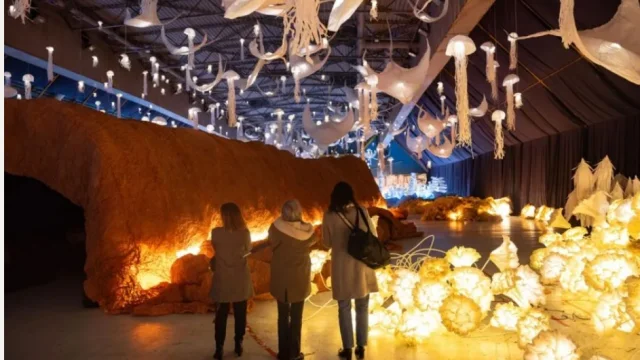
44 237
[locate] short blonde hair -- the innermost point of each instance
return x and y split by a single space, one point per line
292 211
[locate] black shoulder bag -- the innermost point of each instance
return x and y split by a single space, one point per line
365 246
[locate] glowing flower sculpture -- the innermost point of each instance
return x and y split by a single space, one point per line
572 277
575 233
528 212
430 294
385 279
632 300
506 255
416 325
609 271
460 256
549 237
318 259
530 325
460 314
474 284
552 345
434 268
611 313
521 285
537 258
552 268
403 285
506 316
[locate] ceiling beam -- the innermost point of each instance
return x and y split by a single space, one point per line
467 18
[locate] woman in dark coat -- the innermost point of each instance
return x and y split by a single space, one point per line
231 276
290 238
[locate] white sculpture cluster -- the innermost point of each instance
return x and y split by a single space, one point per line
401 186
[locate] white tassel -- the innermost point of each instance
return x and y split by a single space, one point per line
568 31
381 160
366 113
145 86
440 88
27 79
498 152
374 9
242 49
118 96
490 68
231 98
156 75
442 99
511 111
513 51
94 61
212 113
283 79
374 103
296 89
509 81
50 63
20 9
110 80
462 97
308 27
81 86
518 97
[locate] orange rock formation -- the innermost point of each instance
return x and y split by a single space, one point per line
151 194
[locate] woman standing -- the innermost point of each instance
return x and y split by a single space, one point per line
231 276
351 279
290 238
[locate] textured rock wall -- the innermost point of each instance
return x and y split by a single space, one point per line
149 192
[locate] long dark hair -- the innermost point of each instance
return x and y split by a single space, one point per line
232 219
341 197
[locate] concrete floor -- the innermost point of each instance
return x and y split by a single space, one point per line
47 322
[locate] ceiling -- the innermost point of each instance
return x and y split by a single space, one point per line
357 35
562 91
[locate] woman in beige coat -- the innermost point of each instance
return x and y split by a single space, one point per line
291 239
350 278
231 275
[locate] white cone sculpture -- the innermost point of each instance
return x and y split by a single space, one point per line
498 149
460 47
148 15
94 61
28 80
231 77
508 83
603 175
9 91
490 49
80 86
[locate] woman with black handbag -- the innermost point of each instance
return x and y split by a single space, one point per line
351 279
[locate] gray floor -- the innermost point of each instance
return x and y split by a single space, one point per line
47 322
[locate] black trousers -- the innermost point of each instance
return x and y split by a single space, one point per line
240 316
289 329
